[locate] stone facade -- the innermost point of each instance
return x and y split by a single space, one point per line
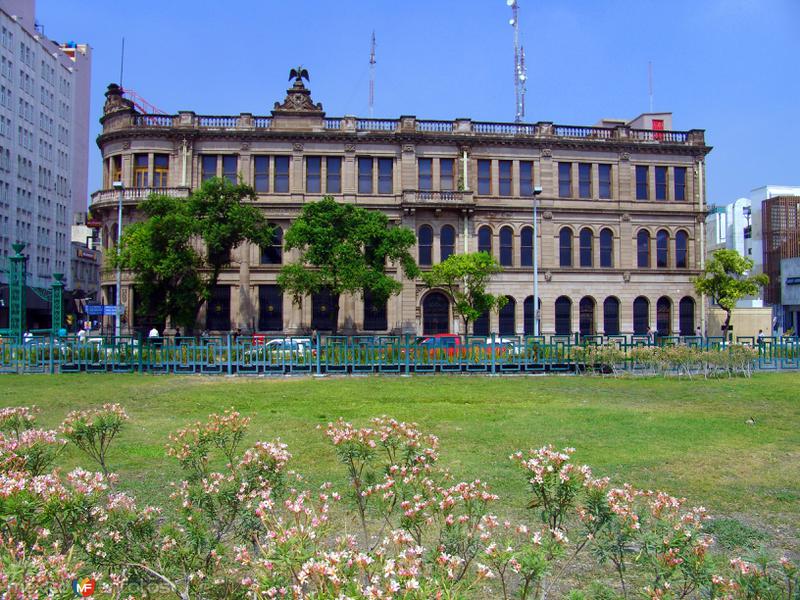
470 182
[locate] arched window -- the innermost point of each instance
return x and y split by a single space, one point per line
586 316
606 248
481 325
526 247
273 254
641 315
435 314
686 315
506 246
587 246
681 250
611 316
565 247
425 243
529 315
508 323
662 249
485 239
447 242
664 316
643 249
563 316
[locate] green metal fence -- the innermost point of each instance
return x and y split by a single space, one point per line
289 355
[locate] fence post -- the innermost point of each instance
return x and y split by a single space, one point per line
52 363
140 348
494 366
408 367
319 356
230 357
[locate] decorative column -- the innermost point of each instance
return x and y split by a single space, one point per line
57 303
16 291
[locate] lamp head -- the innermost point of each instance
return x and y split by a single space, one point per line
117 185
537 190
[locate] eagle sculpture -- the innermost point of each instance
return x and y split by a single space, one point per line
299 74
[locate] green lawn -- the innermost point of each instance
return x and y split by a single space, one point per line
687 437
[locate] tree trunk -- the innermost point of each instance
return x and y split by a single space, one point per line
726 325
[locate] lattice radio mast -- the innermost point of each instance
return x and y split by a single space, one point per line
372 77
520 74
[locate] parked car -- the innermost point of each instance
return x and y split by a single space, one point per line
281 347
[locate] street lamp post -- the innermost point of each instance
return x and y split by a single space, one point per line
117 322
536 191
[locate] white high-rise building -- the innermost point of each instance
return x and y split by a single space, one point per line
44 137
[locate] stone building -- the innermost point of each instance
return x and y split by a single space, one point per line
621 213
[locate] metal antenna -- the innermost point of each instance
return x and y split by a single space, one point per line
121 61
520 75
372 77
650 82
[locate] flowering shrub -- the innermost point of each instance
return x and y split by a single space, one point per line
93 430
250 529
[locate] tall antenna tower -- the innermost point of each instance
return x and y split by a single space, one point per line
520 74
650 82
372 77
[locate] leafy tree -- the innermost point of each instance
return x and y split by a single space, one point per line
178 251
465 276
344 249
725 279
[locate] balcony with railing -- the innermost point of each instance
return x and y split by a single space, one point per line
133 196
460 127
431 198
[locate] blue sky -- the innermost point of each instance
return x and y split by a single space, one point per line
731 67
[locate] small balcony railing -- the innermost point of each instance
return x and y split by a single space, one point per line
433 198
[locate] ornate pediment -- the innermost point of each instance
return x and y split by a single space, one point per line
298 98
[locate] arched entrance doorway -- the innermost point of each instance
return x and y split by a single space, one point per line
435 314
507 321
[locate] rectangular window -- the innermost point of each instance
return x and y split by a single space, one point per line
584 180
661 183
525 178
680 184
604 177
261 174
446 174
230 168
160 170
425 174
116 168
642 185
564 180
140 166
281 174
364 174
484 177
313 174
270 308
385 175
504 171
208 166
375 317
333 177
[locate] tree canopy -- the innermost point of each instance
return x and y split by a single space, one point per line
344 249
725 279
465 277
178 251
